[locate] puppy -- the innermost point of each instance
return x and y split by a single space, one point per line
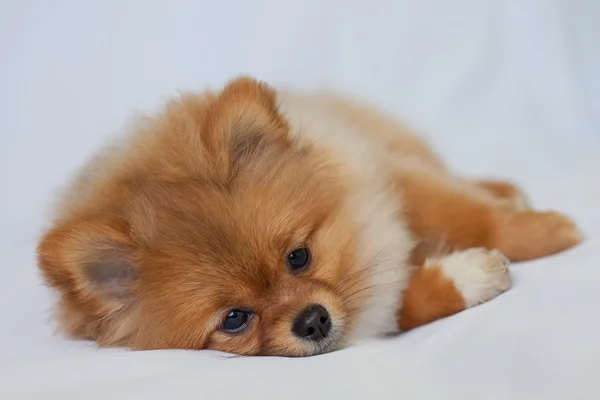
262 222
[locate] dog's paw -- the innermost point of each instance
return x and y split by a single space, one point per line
527 235
478 274
561 231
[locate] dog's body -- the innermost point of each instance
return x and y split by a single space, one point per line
261 222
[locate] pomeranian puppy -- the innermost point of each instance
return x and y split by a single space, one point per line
264 222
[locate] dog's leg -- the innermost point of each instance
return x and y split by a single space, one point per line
439 208
447 285
508 193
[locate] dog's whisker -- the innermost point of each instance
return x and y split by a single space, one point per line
365 274
366 267
368 276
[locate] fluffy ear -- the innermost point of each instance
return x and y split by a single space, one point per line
89 262
243 120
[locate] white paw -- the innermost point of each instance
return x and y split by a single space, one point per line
479 274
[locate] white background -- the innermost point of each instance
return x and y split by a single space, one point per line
507 88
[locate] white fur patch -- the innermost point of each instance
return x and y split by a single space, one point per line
479 274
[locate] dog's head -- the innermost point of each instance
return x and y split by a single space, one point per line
217 230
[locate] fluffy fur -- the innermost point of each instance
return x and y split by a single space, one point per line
194 213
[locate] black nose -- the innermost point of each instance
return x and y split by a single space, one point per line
313 323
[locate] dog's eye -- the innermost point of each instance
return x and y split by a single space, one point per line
299 259
235 321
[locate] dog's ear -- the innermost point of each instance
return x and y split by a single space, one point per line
90 262
242 120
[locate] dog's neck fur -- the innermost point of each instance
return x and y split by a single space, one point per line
384 242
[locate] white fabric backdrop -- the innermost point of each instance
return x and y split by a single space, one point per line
503 87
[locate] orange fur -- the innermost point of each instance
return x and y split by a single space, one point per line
429 297
503 190
194 214
441 208
448 282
